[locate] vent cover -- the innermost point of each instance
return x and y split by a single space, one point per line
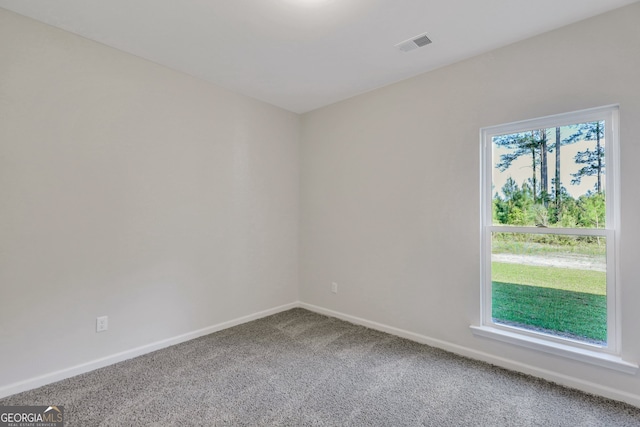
414 43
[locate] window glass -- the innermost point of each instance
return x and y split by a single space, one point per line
553 284
549 233
553 177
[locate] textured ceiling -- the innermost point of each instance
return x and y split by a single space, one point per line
304 54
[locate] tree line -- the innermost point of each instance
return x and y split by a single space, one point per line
542 201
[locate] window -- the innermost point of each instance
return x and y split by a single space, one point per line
549 218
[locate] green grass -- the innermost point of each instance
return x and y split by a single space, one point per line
559 301
585 281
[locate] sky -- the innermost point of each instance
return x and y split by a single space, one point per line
521 170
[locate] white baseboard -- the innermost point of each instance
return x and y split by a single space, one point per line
62 374
556 377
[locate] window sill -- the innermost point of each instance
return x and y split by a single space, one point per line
583 355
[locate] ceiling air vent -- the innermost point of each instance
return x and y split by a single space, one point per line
414 43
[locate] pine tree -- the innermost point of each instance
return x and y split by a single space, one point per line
593 160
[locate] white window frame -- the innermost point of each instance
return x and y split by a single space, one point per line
608 355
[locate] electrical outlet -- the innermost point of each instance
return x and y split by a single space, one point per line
102 323
334 287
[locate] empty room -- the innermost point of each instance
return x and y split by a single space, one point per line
319 212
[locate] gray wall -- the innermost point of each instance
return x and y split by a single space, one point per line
133 191
390 187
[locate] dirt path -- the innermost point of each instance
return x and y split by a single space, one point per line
578 262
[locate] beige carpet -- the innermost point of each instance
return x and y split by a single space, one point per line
299 368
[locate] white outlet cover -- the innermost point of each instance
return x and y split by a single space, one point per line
102 323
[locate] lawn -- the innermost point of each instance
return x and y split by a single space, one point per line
561 301
567 279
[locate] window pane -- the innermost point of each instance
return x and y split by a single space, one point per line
551 177
554 284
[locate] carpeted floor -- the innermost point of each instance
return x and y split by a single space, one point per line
299 368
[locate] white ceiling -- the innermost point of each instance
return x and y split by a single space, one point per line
304 54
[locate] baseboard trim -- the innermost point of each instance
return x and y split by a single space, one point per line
556 377
62 374
552 376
